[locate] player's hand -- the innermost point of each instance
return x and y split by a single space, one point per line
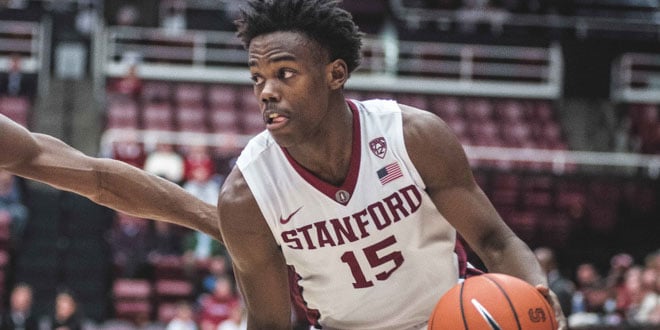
562 324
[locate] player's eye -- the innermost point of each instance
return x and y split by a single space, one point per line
285 74
257 79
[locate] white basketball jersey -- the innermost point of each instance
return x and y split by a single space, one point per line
374 253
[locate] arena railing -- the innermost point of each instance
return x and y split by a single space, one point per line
636 78
388 65
31 40
581 25
559 161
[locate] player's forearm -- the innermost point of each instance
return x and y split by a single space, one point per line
133 191
512 256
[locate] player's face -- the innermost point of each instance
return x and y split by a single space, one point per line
290 82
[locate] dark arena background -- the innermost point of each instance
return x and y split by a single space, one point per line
557 104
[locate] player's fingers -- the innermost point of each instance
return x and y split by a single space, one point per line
562 324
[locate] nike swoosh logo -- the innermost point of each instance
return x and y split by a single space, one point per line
286 220
486 315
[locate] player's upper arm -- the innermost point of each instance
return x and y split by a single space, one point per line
258 261
441 161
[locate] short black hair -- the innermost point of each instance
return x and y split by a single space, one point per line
320 20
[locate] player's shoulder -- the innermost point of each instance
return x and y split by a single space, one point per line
418 121
255 148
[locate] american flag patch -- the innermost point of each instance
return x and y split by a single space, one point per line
389 173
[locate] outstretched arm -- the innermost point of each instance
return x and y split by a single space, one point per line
105 181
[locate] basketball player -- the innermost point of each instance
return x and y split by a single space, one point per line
357 203
105 181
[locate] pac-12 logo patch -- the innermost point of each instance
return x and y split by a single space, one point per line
378 146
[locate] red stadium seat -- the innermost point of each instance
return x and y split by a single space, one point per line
524 224
510 111
191 118
122 113
505 190
168 267
253 122
189 93
458 126
447 107
248 101
126 289
484 133
157 116
222 96
132 298
414 100
516 134
156 91
172 290
224 120
166 312
543 112
478 110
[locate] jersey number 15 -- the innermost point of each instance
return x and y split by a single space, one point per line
375 260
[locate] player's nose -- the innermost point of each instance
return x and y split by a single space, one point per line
270 93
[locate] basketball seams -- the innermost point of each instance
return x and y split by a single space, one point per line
508 299
460 302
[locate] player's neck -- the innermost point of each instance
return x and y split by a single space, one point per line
328 155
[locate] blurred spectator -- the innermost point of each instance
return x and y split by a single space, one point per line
87 17
560 285
165 162
129 243
173 16
127 15
15 82
630 295
129 150
66 315
217 270
130 84
199 251
198 157
589 289
217 306
163 241
649 308
616 277
12 211
236 320
183 318
586 276
652 261
199 247
19 316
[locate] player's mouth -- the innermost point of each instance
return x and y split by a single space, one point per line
275 120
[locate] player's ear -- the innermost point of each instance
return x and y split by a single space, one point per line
337 73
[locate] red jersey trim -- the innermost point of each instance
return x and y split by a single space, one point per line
303 312
354 168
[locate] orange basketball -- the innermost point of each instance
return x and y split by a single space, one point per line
493 302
